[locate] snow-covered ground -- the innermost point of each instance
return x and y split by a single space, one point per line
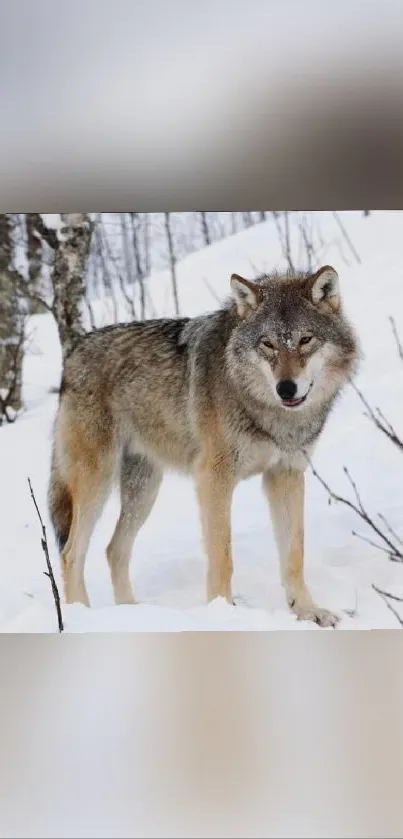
168 566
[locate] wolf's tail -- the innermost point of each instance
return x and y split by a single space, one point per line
60 505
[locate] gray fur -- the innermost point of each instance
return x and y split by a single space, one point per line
146 397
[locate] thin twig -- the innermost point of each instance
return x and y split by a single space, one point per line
354 486
394 552
309 248
385 597
25 294
390 528
287 241
396 337
284 237
388 424
90 311
172 261
387 594
379 419
126 296
370 542
49 572
346 236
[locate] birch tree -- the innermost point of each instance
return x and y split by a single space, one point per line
11 326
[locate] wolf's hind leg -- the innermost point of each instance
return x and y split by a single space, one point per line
140 481
91 489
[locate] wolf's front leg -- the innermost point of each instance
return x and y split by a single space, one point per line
285 490
214 486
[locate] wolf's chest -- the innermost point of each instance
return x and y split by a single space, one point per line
258 457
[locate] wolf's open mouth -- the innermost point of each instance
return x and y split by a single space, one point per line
292 403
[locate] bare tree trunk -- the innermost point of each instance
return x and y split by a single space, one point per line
136 243
68 276
205 229
11 326
234 223
129 278
247 219
147 260
105 258
284 237
263 215
308 246
127 255
138 260
172 260
71 248
287 240
346 236
35 263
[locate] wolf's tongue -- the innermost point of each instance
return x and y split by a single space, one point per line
292 402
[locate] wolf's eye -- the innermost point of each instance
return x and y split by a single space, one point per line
306 340
267 344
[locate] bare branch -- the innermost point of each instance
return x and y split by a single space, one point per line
284 237
309 249
396 337
105 254
390 528
346 236
385 597
234 223
24 291
205 229
379 419
49 572
47 233
90 310
394 551
388 424
370 542
387 594
354 486
287 240
132 260
128 300
172 260
247 219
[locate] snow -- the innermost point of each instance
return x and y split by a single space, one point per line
168 566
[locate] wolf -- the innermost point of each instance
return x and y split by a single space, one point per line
238 392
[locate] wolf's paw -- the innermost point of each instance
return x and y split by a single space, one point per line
312 612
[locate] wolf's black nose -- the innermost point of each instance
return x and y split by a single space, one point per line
286 389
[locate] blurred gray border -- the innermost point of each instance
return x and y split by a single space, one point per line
239 106
202 734
175 106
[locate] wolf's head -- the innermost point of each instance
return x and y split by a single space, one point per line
290 329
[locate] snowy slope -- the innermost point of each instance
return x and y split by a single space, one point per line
168 567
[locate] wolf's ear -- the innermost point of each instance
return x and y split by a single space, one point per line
324 287
247 294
